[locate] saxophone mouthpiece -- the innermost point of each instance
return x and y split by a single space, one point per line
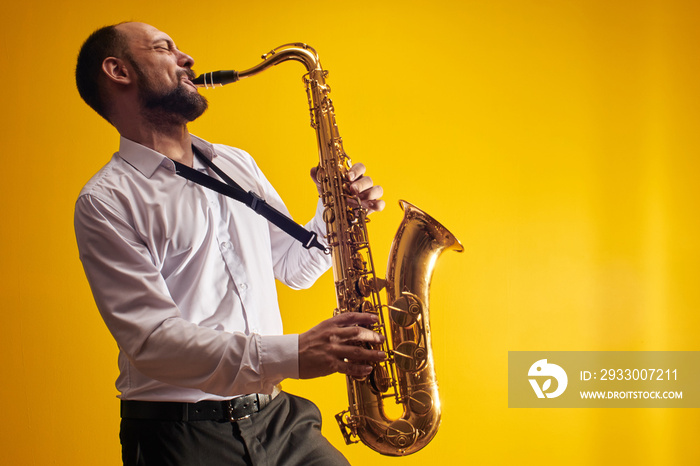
215 78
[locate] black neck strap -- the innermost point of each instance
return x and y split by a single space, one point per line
231 189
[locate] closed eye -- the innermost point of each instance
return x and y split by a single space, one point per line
164 45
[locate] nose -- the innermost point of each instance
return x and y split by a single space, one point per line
185 60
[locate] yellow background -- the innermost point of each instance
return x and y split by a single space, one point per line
557 139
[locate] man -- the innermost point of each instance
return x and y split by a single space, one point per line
184 277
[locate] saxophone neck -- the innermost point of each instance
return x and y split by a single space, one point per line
297 51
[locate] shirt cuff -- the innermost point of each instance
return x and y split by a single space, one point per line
317 223
279 355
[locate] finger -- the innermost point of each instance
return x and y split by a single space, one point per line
374 206
348 319
356 171
359 354
361 184
356 370
373 193
313 173
358 334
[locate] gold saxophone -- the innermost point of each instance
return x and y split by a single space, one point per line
408 374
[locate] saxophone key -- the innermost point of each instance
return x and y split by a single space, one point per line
379 379
366 306
420 402
401 434
364 288
409 357
406 310
328 215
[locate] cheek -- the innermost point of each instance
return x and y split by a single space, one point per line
157 83
159 74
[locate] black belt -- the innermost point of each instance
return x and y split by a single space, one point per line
232 410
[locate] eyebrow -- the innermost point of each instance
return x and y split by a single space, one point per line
170 43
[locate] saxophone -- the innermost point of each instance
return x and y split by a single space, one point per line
408 375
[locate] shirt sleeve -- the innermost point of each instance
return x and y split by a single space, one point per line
135 303
294 265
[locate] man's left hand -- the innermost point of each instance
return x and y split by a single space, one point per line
361 186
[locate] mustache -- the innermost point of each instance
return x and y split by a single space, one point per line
186 72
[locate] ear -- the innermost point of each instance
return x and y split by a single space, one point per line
116 70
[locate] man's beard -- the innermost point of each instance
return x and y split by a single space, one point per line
177 105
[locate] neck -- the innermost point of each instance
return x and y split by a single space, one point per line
170 138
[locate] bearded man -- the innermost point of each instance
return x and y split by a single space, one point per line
184 277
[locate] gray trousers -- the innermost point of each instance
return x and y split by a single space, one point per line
285 432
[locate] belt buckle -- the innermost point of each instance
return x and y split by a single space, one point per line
231 410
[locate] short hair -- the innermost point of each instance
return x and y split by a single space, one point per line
104 42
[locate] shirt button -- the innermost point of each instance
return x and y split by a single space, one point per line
226 245
244 286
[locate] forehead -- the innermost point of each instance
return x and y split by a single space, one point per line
142 34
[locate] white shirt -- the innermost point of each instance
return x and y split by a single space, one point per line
184 277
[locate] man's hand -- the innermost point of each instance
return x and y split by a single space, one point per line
361 186
336 345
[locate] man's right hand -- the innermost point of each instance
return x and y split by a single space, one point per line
338 345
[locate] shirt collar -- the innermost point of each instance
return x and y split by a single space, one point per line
147 160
